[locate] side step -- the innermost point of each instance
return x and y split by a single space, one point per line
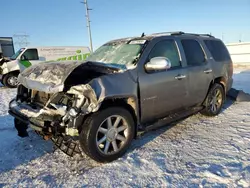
172 118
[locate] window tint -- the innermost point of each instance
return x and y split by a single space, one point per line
193 51
217 50
31 54
168 49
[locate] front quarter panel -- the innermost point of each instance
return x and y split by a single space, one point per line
118 85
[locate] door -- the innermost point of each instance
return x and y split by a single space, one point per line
162 92
199 71
28 58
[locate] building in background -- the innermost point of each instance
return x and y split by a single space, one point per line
7 46
240 52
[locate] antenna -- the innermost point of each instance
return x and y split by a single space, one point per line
88 24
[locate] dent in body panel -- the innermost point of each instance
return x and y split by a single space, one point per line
87 97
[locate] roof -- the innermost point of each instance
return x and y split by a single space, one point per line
155 35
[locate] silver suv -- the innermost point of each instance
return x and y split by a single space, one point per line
126 86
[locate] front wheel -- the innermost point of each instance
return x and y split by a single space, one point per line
214 101
107 134
10 80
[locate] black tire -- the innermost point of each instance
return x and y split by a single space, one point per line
208 110
7 80
89 133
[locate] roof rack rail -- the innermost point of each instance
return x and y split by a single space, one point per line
195 34
166 33
180 33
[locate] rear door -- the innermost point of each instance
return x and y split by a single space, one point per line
162 92
199 70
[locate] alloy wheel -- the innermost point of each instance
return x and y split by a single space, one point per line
112 134
216 100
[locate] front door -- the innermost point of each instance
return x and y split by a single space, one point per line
165 91
28 58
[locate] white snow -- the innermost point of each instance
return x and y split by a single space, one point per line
196 152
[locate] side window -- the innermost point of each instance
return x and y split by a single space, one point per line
31 54
168 49
217 50
193 51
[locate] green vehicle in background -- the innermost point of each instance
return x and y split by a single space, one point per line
25 57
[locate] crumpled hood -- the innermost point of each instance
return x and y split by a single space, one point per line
50 77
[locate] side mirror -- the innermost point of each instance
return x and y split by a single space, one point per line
23 58
158 64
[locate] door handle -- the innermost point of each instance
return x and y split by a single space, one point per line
207 71
180 77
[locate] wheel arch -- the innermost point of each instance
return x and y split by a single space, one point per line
12 72
219 80
129 103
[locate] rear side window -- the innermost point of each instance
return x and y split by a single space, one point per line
217 50
31 54
168 49
193 51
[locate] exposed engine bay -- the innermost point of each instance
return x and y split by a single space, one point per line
59 112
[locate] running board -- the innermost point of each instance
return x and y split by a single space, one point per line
172 118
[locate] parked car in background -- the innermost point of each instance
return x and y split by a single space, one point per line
26 57
98 106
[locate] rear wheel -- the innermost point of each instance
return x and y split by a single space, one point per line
106 135
214 101
10 80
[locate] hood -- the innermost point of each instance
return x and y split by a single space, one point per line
50 77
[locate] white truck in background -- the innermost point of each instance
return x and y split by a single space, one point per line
26 57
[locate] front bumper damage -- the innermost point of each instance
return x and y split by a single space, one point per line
57 117
57 122
54 101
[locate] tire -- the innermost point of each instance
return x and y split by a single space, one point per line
214 100
93 131
10 80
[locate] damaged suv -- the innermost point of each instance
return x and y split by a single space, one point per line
125 87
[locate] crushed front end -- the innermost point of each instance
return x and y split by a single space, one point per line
55 116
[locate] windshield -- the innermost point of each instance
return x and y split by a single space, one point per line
15 56
122 53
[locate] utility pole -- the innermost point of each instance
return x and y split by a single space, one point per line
88 24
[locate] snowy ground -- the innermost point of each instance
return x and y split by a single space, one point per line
196 152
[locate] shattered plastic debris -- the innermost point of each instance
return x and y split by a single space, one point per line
87 99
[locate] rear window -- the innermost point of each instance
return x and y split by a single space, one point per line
217 50
193 51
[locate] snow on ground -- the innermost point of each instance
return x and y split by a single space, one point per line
196 152
242 79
